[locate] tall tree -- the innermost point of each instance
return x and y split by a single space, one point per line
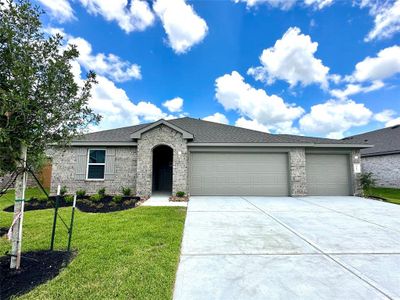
40 102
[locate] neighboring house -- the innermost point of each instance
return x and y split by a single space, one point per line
206 158
383 160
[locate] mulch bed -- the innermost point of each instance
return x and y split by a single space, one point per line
3 231
178 199
35 204
36 268
106 204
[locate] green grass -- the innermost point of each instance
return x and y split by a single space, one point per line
391 195
131 254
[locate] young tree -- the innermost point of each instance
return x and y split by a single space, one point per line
41 104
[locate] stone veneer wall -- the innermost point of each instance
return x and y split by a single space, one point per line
161 135
297 172
385 169
355 158
65 165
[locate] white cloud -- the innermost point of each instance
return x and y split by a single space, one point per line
386 18
333 118
134 17
115 106
174 105
385 115
393 122
183 26
291 59
59 9
255 104
384 65
218 118
352 89
287 4
109 65
251 124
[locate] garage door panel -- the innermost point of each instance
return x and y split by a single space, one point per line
328 174
239 174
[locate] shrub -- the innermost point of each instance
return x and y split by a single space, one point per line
63 190
42 199
102 192
69 198
128 202
96 197
117 198
112 204
126 191
180 194
100 205
367 181
80 193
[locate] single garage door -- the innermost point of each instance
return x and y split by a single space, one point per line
256 174
328 174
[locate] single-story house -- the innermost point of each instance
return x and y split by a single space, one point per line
206 158
383 160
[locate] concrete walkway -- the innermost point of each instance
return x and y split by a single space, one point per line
289 248
162 200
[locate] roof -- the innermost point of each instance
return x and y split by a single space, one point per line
385 141
206 132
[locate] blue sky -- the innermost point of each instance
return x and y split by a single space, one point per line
313 67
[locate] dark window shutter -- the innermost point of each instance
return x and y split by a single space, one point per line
81 163
110 164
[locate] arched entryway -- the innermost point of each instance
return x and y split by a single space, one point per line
162 169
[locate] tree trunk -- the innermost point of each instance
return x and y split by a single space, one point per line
16 238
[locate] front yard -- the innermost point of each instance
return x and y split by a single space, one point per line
391 195
131 254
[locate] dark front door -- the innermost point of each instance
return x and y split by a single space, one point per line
162 169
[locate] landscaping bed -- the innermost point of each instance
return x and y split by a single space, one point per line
36 268
42 203
106 204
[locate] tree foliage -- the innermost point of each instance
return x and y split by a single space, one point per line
41 103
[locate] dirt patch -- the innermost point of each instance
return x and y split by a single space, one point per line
44 203
36 268
106 204
3 231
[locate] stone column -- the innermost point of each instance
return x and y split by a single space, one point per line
355 158
297 169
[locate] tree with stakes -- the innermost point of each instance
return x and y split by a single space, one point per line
41 104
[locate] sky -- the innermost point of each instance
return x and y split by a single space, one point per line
328 68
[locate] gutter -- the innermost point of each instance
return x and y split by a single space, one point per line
310 145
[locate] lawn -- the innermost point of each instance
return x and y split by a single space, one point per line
388 194
131 254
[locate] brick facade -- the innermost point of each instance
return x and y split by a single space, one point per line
385 168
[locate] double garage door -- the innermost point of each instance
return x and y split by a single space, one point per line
264 174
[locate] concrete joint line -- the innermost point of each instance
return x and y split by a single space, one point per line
355 272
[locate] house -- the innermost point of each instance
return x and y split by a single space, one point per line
206 158
383 160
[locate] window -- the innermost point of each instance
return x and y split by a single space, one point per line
96 164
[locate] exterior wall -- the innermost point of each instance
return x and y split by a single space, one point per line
355 158
385 168
65 164
297 172
161 135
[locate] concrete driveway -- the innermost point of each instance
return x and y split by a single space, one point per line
289 248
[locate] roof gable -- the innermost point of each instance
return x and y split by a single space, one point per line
138 134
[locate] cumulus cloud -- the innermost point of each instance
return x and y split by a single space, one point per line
291 59
386 18
134 15
218 118
333 118
174 105
183 26
382 66
287 4
255 104
251 124
109 65
393 122
61 10
385 115
352 89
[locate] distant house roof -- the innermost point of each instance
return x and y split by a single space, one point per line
385 141
205 132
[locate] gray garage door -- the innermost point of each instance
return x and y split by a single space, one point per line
328 174
258 174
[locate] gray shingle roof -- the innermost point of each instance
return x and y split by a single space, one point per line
385 141
210 132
